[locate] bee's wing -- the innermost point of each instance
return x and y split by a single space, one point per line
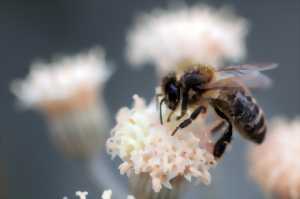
211 89
249 74
256 80
248 82
240 70
227 83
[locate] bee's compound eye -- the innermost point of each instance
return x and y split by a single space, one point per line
171 89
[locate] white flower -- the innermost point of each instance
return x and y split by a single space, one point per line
107 194
200 34
62 79
81 194
275 164
68 92
145 146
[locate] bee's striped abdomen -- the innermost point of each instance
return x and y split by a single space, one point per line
249 118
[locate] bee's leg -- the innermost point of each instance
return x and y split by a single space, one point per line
217 126
222 143
159 104
193 116
170 115
226 138
184 104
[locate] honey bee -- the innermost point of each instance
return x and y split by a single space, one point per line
226 90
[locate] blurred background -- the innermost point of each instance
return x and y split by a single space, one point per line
30 166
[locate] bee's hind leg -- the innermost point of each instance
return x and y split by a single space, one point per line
221 144
193 116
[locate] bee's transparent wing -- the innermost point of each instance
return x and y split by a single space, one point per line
227 83
245 69
249 74
248 81
256 80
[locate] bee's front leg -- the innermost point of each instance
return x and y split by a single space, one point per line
193 116
184 104
170 116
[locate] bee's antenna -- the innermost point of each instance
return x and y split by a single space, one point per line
160 112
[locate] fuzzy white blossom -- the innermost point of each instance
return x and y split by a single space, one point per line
81 194
68 91
107 194
275 164
178 37
62 79
147 147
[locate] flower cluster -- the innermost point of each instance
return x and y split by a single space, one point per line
64 82
175 38
278 170
68 92
146 147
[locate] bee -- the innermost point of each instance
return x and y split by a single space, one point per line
226 90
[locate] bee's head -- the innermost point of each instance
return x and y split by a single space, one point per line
171 90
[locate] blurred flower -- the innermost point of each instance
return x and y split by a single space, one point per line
180 37
274 164
69 92
146 147
107 194
81 194
52 86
